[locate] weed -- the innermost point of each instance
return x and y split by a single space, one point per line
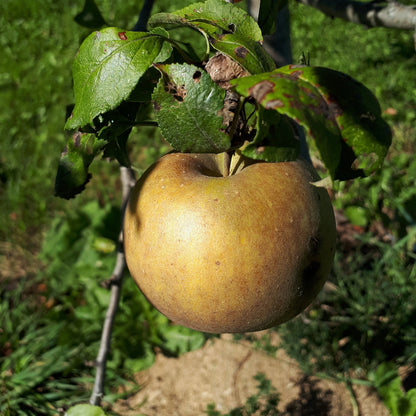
388 384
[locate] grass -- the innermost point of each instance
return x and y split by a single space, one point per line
367 55
55 254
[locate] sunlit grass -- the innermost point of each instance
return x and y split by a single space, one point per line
46 365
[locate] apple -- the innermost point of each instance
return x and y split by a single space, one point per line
227 252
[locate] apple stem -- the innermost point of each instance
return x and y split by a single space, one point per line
227 163
236 118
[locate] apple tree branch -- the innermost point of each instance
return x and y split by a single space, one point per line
389 14
115 282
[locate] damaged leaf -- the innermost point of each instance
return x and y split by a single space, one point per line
108 66
275 140
109 141
188 108
72 175
229 30
342 115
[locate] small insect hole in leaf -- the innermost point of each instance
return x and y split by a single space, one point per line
197 76
178 92
232 27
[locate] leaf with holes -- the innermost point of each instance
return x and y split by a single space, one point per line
341 114
109 64
229 29
188 109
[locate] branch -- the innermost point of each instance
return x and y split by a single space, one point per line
145 12
127 180
372 14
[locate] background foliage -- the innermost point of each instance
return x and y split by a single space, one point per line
56 255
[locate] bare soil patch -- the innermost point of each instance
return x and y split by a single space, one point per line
222 372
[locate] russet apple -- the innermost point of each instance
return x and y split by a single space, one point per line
221 252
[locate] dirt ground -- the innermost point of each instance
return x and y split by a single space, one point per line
222 372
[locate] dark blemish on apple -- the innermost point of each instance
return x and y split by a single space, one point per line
314 244
216 199
261 89
217 263
122 35
310 272
241 52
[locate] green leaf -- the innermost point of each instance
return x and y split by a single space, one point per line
90 16
108 66
142 92
268 13
187 104
111 138
275 139
85 410
229 29
407 404
115 127
104 245
179 340
72 175
341 114
166 50
388 383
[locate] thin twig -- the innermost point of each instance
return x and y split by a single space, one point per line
145 12
369 14
127 180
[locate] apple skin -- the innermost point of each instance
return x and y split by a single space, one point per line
239 253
